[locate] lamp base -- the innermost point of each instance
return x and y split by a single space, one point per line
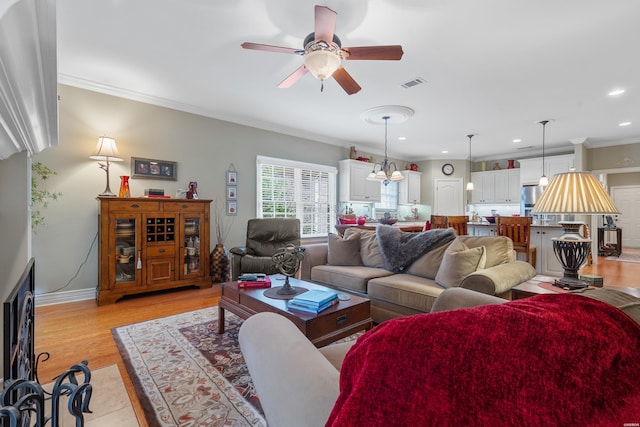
570 284
572 250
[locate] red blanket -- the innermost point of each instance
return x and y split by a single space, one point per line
549 360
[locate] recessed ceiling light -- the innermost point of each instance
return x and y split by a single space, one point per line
624 124
445 151
517 140
402 138
616 92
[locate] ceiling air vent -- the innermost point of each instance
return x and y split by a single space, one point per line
414 82
526 148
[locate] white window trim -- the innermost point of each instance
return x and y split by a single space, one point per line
261 160
330 170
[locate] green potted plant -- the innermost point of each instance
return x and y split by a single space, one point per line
40 196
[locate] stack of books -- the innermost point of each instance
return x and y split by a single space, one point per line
154 192
313 301
253 281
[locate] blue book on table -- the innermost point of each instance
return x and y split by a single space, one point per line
310 309
315 297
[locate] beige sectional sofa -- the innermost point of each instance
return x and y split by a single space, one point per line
355 264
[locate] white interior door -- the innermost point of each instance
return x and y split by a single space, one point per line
627 199
448 199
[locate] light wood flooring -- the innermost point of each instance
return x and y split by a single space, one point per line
81 330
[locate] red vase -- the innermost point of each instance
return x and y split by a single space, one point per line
124 186
510 166
361 220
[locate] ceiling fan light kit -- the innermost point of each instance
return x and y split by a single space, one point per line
322 63
323 58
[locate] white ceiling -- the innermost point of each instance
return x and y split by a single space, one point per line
494 68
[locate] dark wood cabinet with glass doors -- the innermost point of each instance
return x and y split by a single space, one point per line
151 244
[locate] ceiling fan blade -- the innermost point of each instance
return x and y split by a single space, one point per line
293 77
269 48
393 53
345 80
325 23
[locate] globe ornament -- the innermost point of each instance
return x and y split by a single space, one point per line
287 260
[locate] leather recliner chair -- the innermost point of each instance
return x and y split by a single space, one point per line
264 237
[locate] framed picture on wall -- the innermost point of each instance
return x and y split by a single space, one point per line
232 192
153 169
232 177
232 208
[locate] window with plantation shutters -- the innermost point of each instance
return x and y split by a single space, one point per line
289 189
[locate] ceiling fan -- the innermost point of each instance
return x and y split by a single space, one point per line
323 53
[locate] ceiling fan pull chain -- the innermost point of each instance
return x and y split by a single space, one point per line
321 85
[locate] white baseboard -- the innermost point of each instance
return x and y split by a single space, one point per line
66 296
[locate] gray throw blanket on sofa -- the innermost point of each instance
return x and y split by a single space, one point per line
401 248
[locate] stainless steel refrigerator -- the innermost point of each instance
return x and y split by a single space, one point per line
529 195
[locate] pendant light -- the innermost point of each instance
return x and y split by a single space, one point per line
470 183
385 171
544 181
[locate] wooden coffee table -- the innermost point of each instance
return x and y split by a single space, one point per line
332 324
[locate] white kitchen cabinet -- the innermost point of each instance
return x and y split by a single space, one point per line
354 186
507 186
496 186
531 169
546 261
483 187
409 188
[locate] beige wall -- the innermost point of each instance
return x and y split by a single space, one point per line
620 156
203 147
621 179
15 221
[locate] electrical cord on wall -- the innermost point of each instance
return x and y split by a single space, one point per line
86 258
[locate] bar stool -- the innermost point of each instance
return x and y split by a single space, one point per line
439 221
459 224
518 229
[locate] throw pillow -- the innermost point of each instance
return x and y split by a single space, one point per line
458 262
428 264
369 249
344 251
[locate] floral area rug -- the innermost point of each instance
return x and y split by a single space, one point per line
186 374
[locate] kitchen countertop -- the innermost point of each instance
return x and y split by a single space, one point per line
487 224
404 226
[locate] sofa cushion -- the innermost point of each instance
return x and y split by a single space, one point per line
458 262
405 290
499 249
353 278
344 251
427 265
369 249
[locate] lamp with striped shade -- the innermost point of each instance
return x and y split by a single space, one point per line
573 193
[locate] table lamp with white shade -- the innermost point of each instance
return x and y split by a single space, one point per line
578 193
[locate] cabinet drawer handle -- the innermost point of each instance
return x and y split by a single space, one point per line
135 205
185 206
161 250
341 319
